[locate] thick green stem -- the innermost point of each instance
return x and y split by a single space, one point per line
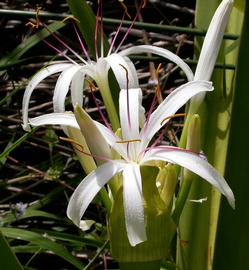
154 265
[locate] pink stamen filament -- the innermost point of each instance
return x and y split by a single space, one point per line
81 149
116 34
154 99
81 43
129 29
60 52
164 147
98 107
101 29
158 140
96 34
153 103
65 45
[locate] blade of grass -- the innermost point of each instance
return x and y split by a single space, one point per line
43 242
13 146
8 259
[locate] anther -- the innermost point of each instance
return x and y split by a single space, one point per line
129 141
37 19
158 89
125 8
173 116
70 17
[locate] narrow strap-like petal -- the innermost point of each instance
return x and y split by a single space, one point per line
112 140
129 119
129 113
88 188
62 87
77 88
65 119
161 52
212 41
119 67
133 205
170 105
41 75
194 163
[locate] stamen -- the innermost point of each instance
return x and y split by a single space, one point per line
92 86
70 17
81 43
75 20
158 140
129 29
158 89
96 33
153 103
65 45
60 52
115 37
37 19
173 116
127 94
129 141
101 30
81 149
125 8
167 147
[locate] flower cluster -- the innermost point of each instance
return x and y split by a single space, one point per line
137 131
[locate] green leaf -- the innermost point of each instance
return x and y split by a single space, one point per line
7 257
232 242
42 241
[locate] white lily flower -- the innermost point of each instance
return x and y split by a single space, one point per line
133 148
73 75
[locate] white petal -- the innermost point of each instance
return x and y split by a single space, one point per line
212 41
88 188
170 105
41 75
112 140
194 163
77 88
64 119
133 205
115 61
62 88
129 119
129 113
161 52
141 109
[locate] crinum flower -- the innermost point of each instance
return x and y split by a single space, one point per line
134 150
73 74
